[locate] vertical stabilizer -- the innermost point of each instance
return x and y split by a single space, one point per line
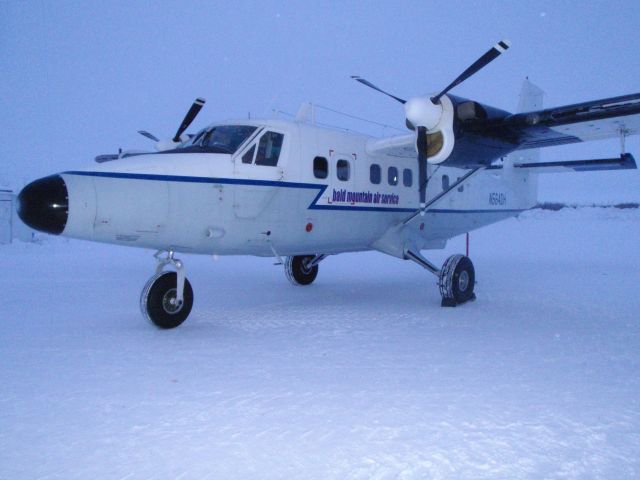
531 99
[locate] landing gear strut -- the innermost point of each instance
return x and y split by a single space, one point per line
167 298
456 278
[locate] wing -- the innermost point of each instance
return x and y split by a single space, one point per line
486 139
402 146
626 161
595 120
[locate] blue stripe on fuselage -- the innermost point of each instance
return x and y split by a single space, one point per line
268 183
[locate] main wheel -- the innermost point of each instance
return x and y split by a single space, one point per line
297 271
158 300
457 280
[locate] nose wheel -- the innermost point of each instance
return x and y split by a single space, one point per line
167 298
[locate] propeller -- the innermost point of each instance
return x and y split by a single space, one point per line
366 82
150 136
162 145
427 111
425 114
423 145
188 118
493 53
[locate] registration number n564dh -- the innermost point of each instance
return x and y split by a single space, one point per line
497 199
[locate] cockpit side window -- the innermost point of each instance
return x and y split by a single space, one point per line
198 137
269 149
219 139
248 157
227 137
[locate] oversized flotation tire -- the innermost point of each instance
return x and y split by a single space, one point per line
297 272
457 280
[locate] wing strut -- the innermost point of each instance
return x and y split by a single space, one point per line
455 185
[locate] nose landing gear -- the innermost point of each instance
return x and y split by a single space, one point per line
167 298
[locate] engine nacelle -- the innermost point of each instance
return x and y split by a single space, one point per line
440 138
462 137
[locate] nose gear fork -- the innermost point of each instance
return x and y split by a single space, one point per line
167 298
170 259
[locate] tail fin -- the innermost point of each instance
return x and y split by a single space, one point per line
531 98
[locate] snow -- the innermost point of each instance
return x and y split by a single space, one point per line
361 375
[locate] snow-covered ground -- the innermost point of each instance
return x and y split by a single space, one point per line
361 375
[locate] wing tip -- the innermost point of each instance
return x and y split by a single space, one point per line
628 161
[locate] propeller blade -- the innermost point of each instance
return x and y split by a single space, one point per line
371 85
422 164
479 64
191 114
150 136
107 158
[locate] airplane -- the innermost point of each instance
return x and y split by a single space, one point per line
301 192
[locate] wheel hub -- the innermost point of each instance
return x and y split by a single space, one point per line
304 268
463 281
170 302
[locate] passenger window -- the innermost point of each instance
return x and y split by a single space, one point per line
407 177
461 187
392 176
248 157
320 167
269 149
375 173
343 170
445 182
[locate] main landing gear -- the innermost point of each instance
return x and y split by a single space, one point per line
456 278
456 281
167 298
302 269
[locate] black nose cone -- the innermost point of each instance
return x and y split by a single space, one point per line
44 204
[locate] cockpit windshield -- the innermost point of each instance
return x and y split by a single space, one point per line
219 139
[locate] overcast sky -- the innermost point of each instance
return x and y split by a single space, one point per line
80 78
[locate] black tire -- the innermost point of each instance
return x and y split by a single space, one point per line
297 272
457 280
155 300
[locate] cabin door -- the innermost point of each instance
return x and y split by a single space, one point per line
258 169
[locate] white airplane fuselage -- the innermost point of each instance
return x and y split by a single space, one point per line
213 203
299 192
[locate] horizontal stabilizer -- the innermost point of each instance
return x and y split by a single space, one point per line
117 156
624 162
107 158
